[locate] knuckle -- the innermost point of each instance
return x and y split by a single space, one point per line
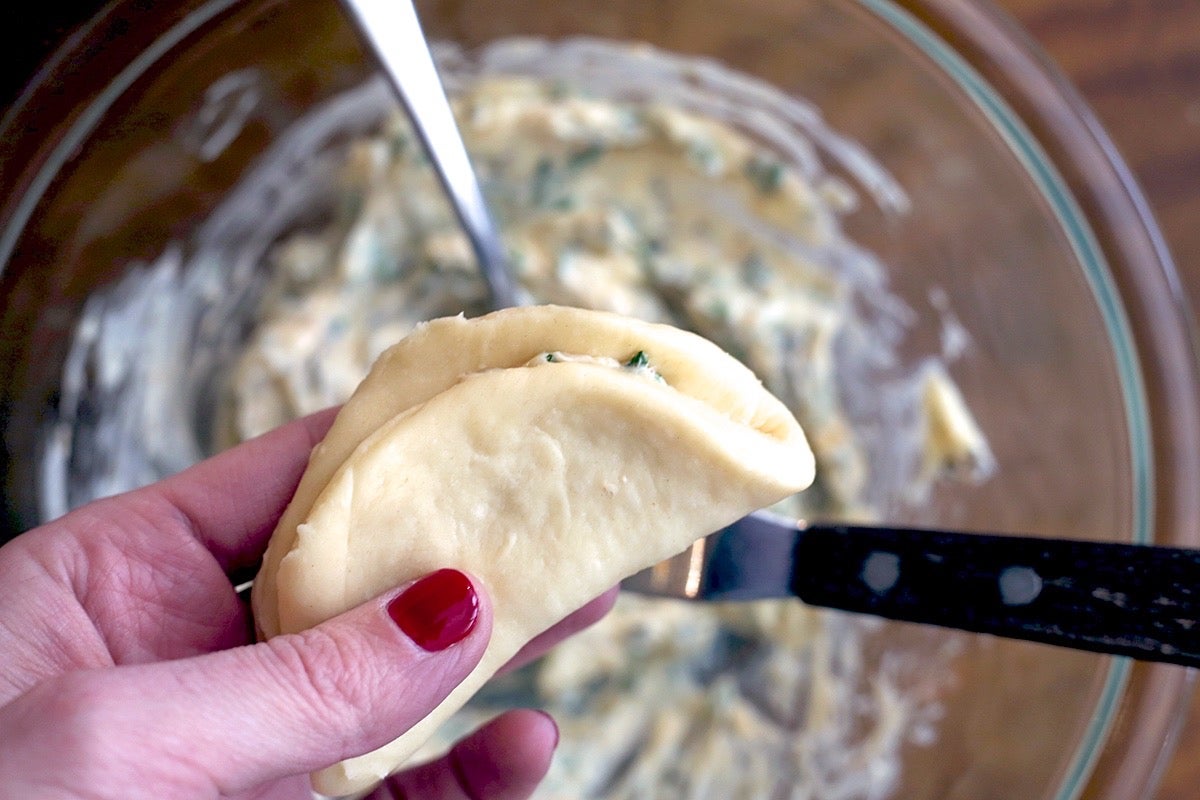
330 676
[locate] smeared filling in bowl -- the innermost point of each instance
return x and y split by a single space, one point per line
623 179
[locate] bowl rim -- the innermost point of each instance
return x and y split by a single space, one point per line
1012 74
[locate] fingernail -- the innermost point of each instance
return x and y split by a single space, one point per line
438 610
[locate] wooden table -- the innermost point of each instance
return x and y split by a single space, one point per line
1137 62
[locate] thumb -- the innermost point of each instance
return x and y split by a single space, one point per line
228 721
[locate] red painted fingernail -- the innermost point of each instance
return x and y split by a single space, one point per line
438 610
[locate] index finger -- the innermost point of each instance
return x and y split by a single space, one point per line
232 501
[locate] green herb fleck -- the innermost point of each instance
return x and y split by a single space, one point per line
755 272
631 119
550 357
399 145
352 205
765 173
543 178
718 310
518 261
385 268
585 157
559 90
638 361
704 156
647 251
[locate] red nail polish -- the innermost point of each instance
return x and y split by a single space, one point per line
438 610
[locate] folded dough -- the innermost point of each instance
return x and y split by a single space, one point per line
523 448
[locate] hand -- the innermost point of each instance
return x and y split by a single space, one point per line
128 668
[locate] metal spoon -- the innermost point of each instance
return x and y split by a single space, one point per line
392 30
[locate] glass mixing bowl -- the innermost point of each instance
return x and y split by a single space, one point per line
1022 218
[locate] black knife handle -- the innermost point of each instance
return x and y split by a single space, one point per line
1121 599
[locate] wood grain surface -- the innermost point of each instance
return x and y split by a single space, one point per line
1137 63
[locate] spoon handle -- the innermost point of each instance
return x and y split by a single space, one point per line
393 31
1121 599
